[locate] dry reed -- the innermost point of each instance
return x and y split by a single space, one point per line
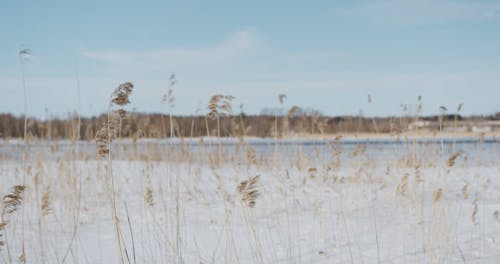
403 185
45 205
452 159
474 212
248 190
10 204
12 201
496 216
149 197
437 195
465 192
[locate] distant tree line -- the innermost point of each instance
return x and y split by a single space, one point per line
138 125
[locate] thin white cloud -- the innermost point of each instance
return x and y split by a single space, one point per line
316 56
231 48
417 12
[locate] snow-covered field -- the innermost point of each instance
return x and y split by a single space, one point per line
317 202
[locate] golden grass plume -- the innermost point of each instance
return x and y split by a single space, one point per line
11 202
149 197
437 195
45 204
452 159
248 190
220 105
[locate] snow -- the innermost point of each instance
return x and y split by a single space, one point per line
318 203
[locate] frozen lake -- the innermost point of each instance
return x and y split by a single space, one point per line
378 149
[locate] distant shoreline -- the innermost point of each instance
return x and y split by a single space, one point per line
342 138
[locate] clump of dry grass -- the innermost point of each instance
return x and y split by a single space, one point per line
248 190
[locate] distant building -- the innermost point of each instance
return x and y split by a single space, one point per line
459 126
420 125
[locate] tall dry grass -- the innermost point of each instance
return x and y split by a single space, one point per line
329 202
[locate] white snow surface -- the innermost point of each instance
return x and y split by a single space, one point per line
311 208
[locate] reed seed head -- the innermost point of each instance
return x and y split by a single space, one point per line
282 98
149 197
496 216
12 201
403 185
293 111
474 212
436 196
220 105
45 205
121 93
451 160
248 190
465 192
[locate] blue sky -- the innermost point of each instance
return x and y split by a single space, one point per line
327 55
